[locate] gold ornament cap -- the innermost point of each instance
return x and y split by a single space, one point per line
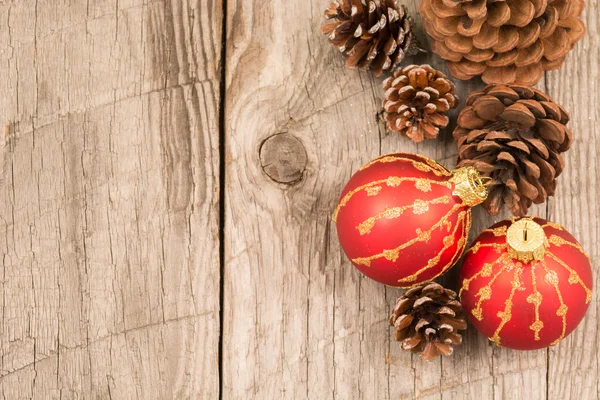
469 185
526 240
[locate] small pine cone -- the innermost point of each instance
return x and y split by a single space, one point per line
375 35
504 41
514 134
416 101
427 319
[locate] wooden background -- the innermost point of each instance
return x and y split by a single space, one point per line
168 172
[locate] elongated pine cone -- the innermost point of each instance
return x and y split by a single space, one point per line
513 134
375 35
416 101
428 319
504 41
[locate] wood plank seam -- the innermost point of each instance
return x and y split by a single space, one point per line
222 190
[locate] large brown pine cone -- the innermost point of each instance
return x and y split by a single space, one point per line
375 35
416 101
504 41
513 134
428 319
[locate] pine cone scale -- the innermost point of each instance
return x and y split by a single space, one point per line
416 100
499 14
374 37
514 135
430 352
505 40
427 319
476 9
522 12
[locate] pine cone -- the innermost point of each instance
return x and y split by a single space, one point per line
513 134
505 41
376 35
427 319
416 101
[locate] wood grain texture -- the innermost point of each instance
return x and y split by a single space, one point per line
573 365
108 199
300 322
109 211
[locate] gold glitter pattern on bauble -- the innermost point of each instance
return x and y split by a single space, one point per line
420 207
499 231
552 278
478 245
461 220
506 315
485 272
395 212
485 293
373 191
438 167
391 181
535 298
422 236
429 166
423 185
554 225
573 277
558 241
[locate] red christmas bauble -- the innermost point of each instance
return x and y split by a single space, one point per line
404 219
526 283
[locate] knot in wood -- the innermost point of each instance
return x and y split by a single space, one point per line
283 158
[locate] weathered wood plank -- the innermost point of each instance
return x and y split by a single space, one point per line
109 203
283 257
109 212
295 325
574 363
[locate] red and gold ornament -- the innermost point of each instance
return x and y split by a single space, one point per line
526 283
404 219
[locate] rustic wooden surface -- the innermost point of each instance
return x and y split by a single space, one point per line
168 172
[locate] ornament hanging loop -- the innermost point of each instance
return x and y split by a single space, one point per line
469 185
486 181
